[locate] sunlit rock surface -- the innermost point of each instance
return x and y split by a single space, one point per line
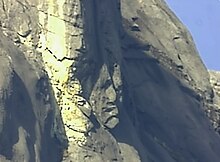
215 82
102 81
59 40
214 109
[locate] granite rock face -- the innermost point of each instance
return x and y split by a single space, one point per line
102 81
27 123
214 108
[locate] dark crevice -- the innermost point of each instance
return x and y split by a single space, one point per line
64 58
3 6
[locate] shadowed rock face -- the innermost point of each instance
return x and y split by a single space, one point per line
26 121
103 81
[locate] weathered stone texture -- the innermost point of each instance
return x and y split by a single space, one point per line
102 81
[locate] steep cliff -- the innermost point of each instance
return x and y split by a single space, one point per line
102 81
214 110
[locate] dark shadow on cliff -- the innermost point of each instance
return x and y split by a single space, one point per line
51 144
88 66
161 117
19 114
26 115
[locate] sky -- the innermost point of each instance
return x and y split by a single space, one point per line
202 18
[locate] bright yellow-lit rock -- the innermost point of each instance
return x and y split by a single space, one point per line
53 47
